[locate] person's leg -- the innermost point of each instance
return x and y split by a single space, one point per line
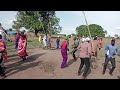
81 66
96 60
87 67
64 55
74 55
105 65
113 65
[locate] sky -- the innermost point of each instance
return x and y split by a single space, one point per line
69 20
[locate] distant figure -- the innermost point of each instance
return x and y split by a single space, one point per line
110 51
85 54
22 46
64 49
100 43
49 42
58 42
17 37
40 40
45 41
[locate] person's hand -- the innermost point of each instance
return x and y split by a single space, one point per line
68 49
114 54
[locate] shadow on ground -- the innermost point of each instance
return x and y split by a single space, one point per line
18 66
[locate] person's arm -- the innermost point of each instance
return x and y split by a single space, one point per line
116 51
90 49
78 46
106 49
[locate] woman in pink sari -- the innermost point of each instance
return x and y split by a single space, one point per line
22 45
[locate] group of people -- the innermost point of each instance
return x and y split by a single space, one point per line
45 41
20 46
88 49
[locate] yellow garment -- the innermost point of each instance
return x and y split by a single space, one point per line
40 39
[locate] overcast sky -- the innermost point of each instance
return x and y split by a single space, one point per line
69 20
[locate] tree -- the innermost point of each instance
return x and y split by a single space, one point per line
105 32
95 30
35 21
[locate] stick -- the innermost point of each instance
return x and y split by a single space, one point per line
88 28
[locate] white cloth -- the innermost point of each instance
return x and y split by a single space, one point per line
108 52
44 41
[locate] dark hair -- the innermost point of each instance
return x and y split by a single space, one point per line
0 36
95 38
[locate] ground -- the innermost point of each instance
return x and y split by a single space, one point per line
45 64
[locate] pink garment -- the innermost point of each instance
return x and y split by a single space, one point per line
64 45
85 50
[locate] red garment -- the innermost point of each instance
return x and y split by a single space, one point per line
64 45
22 44
3 49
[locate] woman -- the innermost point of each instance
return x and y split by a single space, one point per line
3 56
22 45
64 48
40 39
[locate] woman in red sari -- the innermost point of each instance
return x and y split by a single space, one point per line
3 56
22 45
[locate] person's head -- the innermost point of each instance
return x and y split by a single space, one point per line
113 42
95 38
0 36
74 38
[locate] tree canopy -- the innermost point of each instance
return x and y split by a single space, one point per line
35 21
95 30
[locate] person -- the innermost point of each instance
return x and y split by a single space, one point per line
58 42
22 45
3 56
64 49
85 54
95 46
44 41
49 42
110 56
74 46
17 37
40 39
100 43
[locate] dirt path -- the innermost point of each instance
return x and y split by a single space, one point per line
45 64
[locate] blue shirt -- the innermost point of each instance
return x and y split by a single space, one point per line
113 50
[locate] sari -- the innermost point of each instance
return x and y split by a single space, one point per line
3 49
22 45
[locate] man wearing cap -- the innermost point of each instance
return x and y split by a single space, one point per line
113 50
85 54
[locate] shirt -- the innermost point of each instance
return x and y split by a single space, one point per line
113 50
85 50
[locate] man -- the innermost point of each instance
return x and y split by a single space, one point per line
74 46
49 42
85 54
95 46
100 42
58 42
113 50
